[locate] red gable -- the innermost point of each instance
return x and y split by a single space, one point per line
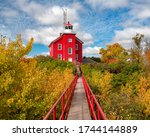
61 35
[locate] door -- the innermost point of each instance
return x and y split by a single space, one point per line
70 59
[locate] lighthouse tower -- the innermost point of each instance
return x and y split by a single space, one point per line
68 28
67 46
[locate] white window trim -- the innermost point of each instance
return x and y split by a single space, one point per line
59 45
60 55
77 56
69 39
69 52
77 46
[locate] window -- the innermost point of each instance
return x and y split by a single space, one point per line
76 56
59 46
69 40
60 56
76 46
69 50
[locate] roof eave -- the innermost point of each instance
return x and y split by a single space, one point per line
55 40
79 40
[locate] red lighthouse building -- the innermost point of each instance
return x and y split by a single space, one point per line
67 46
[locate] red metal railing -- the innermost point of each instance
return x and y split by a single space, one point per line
95 109
62 105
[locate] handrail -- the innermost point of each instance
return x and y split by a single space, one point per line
95 109
65 101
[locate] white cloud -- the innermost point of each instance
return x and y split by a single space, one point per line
49 15
43 35
9 13
52 17
41 13
140 9
86 38
91 50
138 12
131 22
107 4
125 36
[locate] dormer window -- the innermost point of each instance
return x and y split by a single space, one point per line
59 46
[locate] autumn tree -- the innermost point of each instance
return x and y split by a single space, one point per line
29 86
136 51
147 51
10 56
113 53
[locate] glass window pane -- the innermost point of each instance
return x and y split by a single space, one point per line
69 50
59 46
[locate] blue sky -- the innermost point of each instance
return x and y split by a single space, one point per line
96 22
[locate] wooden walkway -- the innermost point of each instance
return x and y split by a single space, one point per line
79 109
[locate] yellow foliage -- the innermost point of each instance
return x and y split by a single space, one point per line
103 83
26 90
147 56
112 115
127 90
143 88
114 51
10 101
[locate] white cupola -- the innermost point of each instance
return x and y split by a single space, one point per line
68 28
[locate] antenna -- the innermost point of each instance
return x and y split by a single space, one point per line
65 17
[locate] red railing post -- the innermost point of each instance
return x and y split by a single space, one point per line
65 100
99 114
54 113
66 95
92 101
62 105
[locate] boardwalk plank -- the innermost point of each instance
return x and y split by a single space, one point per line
79 109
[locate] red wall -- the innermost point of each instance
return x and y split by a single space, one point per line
69 45
65 45
79 51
